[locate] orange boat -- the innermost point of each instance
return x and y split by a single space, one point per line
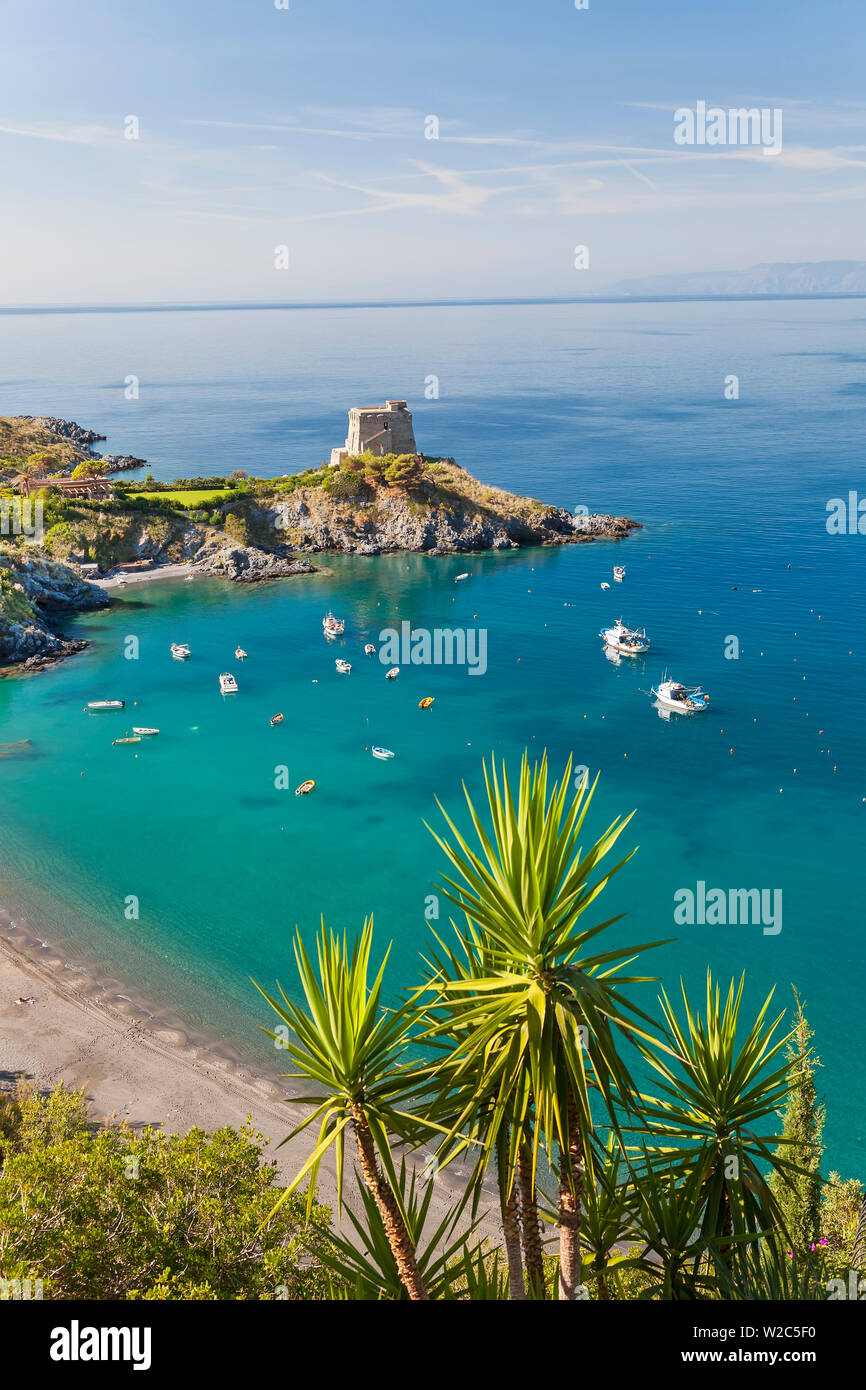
277 719
305 788
426 702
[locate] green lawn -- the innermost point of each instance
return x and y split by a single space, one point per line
188 499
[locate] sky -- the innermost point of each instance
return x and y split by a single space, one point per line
309 128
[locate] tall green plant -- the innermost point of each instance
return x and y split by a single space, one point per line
798 1195
352 1051
534 1017
720 1083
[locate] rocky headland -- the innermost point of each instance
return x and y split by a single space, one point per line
252 529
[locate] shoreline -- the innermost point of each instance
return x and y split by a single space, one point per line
141 1065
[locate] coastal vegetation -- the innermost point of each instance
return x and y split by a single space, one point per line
523 1050
628 1152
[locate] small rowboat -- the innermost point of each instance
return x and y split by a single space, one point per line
125 740
426 702
240 654
392 674
605 584
180 651
381 752
370 649
277 719
144 733
305 788
95 706
344 667
457 578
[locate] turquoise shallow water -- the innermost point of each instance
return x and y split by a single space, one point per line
617 407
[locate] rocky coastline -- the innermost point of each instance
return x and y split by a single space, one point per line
261 530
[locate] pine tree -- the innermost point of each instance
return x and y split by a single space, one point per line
799 1194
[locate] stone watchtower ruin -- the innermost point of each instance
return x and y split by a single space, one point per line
385 430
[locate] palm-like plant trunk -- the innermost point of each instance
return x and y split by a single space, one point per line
530 1228
858 1254
511 1232
570 1194
395 1227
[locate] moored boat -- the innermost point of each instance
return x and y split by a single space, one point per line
458 577
136 739
240 654
228 684
331 626
619 573
344 667
180 650
276 719
95 706
631 641
370 649
305 788
145 733
381 752
392 674
681 697
426 702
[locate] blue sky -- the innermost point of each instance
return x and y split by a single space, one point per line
305 127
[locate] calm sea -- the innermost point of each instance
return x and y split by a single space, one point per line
617 407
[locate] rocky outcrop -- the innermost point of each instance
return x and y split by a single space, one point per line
247 564
32 590
83 440
451 512
66 429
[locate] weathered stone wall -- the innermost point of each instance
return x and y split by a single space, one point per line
384 431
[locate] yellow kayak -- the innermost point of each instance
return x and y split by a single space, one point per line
137 739
426 702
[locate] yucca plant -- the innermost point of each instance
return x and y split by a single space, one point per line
533 1020
669 1210
607 1218
766 1272
720 1082
368 1265
353 1052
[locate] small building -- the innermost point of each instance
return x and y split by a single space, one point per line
78 487
381 430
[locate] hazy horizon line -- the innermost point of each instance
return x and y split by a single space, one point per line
215 306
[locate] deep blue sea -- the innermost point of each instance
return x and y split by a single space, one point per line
614 407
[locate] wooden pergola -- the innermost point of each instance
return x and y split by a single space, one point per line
78 487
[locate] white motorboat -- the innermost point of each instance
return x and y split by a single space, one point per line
685 698
180 651
604 584
631 641
370 649
344 667
619 573
392 674
381 752
228 684
144 733
458 577
331 626
95 706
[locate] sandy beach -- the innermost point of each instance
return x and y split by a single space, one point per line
139 1070
121 581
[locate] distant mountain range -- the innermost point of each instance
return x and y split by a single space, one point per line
776 277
